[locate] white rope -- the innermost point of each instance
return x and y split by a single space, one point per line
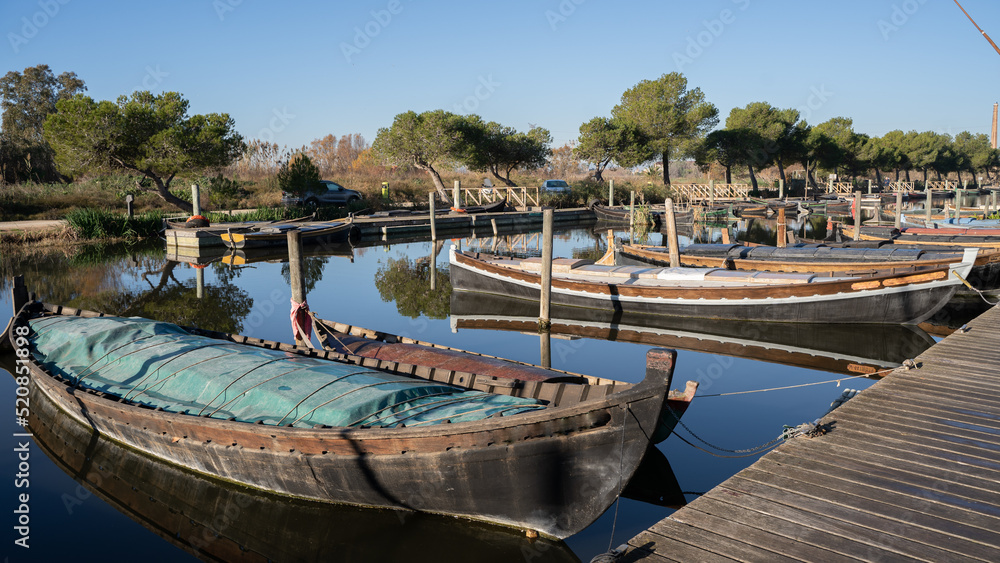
837 381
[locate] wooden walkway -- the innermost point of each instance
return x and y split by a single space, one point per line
910 471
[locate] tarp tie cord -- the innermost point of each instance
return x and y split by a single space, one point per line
968 285
301 322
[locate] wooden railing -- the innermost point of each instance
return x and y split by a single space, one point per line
899 187
839 187
516 196
709 192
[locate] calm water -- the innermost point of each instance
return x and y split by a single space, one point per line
385 288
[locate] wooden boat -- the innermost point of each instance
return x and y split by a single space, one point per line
985 273
218 521
839 348
924 237
270 235
553 468
493 207
717 293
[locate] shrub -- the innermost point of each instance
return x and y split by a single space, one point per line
298 175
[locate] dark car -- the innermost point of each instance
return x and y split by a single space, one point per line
325 194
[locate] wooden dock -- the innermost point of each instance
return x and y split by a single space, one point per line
909 471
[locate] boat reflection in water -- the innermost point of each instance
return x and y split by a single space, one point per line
847 349
216 521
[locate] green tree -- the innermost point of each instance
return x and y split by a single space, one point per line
673 118
923 150
424 141
724 146
978 156
297 175
500 150
150 135
893 144
603 141
29 97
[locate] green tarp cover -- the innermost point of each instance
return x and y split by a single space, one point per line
162 365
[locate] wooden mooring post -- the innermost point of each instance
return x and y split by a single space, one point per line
899 209
433 227
196 199
927 211
296 279
781 227
857 215
631 218
611 193
545 299
675 253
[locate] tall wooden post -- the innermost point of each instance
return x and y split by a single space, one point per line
199 283
545 343
781 226
993 201
295 276
545 300
631 218
18 294
899 209
927 205
781 189
675 252
857 215
611 193
869 187
433 226
434 265
196 199
711 193
958 205
456 193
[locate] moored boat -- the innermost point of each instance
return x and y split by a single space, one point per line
270 235
717 293
541 455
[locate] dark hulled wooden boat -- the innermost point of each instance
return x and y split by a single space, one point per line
493 207
553 469
218 521
717 293
621 214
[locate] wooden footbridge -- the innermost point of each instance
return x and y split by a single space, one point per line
909 471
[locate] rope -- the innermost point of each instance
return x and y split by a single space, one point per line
837 381
742 453
968 285
621 462
301 322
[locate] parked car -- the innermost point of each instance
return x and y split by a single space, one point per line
555 186
325 193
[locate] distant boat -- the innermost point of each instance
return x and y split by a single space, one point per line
717 293
549 456
276 234
622 214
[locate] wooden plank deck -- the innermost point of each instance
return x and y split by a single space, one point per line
909 472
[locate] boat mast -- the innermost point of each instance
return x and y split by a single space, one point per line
979 28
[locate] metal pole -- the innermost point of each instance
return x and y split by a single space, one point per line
433 226
545 300
675 253
857 215
295 277
899 209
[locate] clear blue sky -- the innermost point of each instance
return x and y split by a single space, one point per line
292 72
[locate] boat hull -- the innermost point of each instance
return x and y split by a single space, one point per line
832 303
554 471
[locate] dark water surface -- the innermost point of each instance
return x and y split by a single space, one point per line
135 509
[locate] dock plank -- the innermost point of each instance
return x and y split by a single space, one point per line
910 471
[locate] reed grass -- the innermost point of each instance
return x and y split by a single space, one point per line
90 223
